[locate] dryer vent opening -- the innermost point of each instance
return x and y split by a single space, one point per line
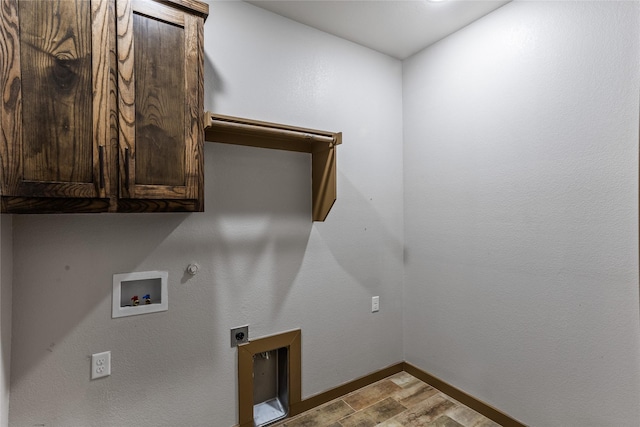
269 380
270 386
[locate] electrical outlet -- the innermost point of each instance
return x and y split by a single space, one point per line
100 365
375 304
239 335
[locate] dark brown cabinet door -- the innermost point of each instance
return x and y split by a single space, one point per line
160 67
55 111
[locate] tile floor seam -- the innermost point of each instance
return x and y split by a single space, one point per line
376 402
354 409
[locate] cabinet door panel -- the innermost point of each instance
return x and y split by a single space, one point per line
160 106
11 98
58 114
55 46
160 148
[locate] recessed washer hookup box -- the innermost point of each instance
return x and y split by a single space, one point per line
139 293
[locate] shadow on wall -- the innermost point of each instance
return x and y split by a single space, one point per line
213 84
6 274
63 273
250 241
379 249
260 203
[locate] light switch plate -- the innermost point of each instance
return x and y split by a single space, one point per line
375 304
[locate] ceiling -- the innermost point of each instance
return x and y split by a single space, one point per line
398 28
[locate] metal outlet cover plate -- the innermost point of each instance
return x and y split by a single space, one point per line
239 335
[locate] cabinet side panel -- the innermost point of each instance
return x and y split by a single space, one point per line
10 98
160 95
57 91
194 108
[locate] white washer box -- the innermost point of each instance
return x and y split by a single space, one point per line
128 285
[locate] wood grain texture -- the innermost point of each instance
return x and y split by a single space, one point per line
351 386
60 120
255 133
160 77
55 43
162 191
393 397
113 151
160 116
324 188
193 106
194 6
463 397
10 98
326 416
197 119
156 205
254 136
158 11
66 130
50 205
211 118
126 96
103 47
55 189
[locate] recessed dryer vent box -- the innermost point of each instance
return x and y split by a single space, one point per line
139 293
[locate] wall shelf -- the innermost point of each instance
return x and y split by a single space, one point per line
320 144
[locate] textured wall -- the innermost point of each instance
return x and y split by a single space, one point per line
262 260
6 271
521 269
521 213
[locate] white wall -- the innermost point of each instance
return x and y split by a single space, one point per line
6 269
521 213
521 225
262 260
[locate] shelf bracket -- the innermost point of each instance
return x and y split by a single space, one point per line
320 144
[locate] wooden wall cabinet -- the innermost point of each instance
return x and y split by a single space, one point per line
102 105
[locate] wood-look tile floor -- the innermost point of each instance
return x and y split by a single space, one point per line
400 400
